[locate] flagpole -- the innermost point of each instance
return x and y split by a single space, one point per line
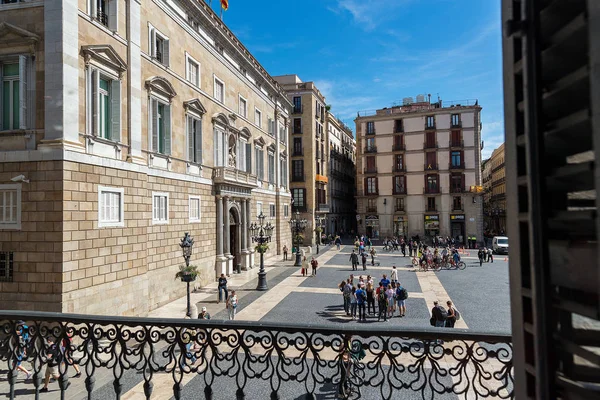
221 16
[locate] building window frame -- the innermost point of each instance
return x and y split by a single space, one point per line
10 192
286 210
259 208
107 14
370 128
156 36
104 208
216 83
258 118
190 62
7 265
195 213
160 214
242 106
272 211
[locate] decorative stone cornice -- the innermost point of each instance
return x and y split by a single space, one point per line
161 86
195 106
104 54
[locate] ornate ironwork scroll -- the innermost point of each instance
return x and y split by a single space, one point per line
375 362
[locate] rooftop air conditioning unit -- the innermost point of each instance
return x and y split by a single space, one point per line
406 101
420 98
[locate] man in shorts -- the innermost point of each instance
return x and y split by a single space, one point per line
54 359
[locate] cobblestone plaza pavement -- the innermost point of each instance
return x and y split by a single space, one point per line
480 293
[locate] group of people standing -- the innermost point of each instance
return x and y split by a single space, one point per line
485 255
363 294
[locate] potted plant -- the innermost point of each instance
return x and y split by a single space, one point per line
187 273
298 238
261 248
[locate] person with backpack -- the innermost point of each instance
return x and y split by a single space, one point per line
347 292
361 299
438 315
381 302
222 286
23 338
232 304
338 242
401 296
453 315
363 257
54 357
354 259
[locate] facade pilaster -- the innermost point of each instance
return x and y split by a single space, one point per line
134 81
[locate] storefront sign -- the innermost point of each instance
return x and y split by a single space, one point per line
457 217
432 223
432 218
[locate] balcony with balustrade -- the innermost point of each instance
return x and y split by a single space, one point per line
229 175
238 359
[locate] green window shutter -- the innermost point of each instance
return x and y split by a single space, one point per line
154 124
115 110
189 128
198 139
2 99
23 69
95 103
166 52
113 13
167 129
249 158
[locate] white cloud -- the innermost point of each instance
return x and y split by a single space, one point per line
376 80
493 137
368 13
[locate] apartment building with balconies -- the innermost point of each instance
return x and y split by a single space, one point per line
129 124
495 195
416 164
342 175
309 155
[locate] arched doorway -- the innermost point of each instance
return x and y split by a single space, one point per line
235 243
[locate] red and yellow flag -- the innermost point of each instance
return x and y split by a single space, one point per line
225 4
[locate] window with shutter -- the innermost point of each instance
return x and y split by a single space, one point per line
248 157
160 208
110 207
194 139
219 92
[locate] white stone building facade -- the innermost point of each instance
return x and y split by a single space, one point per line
416 166
128 124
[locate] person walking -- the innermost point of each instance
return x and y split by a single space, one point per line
481 254
314 264
285 253
394 275
232 304
373 253
338 242
347 292
353 303
401 296
438 315
490 255
304 267
361 299
54 358
363 257
370 297
23 343
381 303
222 288
451 319
403 247
354 259
390 293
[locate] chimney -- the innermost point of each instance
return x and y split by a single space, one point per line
429 98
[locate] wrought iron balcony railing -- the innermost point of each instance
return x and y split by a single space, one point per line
371 209
298 109
460 165
398 147
102 18
234 359
457 143
371 149
370 170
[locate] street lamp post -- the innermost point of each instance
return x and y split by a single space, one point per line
261 234
186 249
297 226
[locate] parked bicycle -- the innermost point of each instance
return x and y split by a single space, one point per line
352 371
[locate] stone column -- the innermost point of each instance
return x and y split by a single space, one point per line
61 75
248 239
221 260
227 237
226 249
243 219
244 235
219 226
134 80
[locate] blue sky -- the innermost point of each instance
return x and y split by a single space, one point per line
368 54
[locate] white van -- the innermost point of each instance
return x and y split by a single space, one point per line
500 245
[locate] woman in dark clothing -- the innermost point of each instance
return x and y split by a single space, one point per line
451 320
370 298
